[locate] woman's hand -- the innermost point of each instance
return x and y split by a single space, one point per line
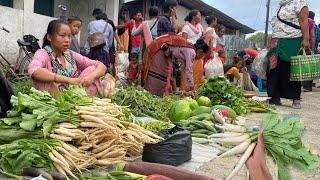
256 163
74 81
305 43
87 81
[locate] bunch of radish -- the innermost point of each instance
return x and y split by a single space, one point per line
282 141
100 140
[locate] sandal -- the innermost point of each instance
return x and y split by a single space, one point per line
296 104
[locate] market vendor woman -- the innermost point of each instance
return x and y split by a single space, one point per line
158 65
54 67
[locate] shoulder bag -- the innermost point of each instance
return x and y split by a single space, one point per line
97 38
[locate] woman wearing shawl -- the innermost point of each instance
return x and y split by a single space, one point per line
192 31
290 33
158 62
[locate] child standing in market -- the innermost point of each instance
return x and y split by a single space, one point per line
75 26
133 69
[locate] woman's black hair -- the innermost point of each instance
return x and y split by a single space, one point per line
102 16
153 11
169 4
74 18
192 14
220 27
311 15
112 24
201 44
210 19
53 28
121 31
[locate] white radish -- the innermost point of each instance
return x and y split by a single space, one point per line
64 132
232 140
232 128
241 148
235 128
242 161
217 117
60 137
225 135
61 158
67 125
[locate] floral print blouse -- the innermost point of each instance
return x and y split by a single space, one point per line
288 12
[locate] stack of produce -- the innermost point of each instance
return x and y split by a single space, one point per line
204 120
77 132
282 140
143 103
259 107
222 92
21 84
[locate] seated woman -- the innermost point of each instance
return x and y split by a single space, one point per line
232 71
54 67
158 62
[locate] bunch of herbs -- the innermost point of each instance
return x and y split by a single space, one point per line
143 103
222 92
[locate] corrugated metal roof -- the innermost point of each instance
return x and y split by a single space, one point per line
224 19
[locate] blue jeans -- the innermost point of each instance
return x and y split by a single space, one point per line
138 51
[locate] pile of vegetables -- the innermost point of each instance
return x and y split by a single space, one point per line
40 111
21 84
143 103
23 153
222 92
71 132
102 135
282 140
259 107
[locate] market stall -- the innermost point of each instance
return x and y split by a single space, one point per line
78 137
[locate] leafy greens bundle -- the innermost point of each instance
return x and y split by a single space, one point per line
222 92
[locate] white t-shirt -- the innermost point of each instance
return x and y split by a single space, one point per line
192 36
289 12
213 35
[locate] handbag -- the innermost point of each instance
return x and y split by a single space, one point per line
305 67
97 38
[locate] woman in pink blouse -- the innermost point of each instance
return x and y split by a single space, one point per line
54 67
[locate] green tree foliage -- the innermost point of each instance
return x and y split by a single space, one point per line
258 38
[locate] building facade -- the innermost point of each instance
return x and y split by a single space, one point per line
23 17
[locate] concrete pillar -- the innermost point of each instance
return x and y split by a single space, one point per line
112 10
28 6
18 4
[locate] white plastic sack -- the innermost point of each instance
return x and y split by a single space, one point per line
260 64
122 65
246 83
214 67
122 62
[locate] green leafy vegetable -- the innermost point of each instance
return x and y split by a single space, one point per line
24 153
143 103
39 110
282 139
222 92
156 126
21 84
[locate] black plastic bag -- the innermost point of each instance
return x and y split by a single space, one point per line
174 150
